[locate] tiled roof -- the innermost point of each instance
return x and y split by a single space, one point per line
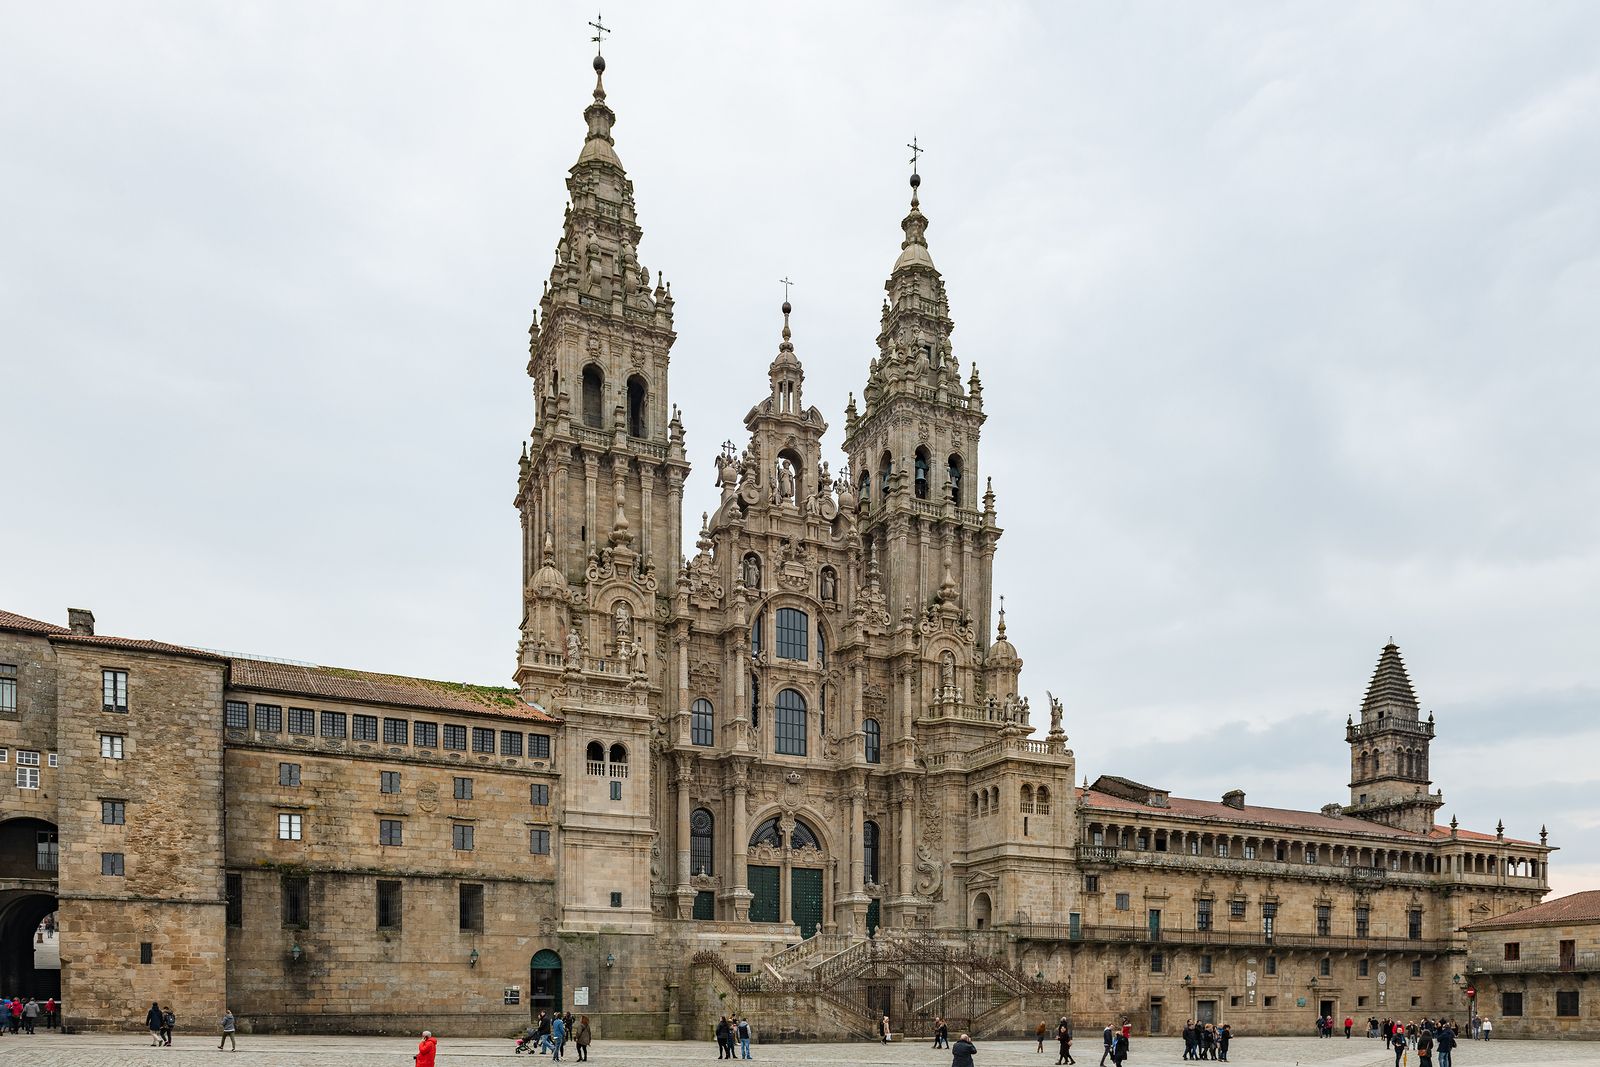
1443 832
1390 691
10 620
134 644
1249 815
1577 908
335 683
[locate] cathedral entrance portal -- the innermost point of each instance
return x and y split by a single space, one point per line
806 895
544 982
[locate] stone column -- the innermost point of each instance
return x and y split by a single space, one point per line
858 798
682 779
739 818
591 477
904 823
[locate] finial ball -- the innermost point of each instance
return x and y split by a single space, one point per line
786 307
916 179
599 64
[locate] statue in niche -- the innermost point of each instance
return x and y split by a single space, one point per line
636 653
574 648
593 263
947 668
828 586
752 571
785 481
622 625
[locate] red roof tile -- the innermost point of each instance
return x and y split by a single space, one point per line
336 683
1473 835
10 620
1577 908
135 644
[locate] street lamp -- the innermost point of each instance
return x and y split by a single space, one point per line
472 958
295 952
611 960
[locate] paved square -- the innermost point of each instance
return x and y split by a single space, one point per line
197 1050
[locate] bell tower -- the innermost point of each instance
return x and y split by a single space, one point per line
1389 751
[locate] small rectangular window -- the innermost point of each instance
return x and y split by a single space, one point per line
111 746
510 743
1122 902
147 952
1511 1004
1157 962
296 901
539 795
1269 1001
8 688
455 737
333 725
1414 924
1091 883
288 826
236 715
388 781
1111 983
288 774
1272 965
389 905
1513 950
5 754
111 864
461 837
1324 968
1362 967
113 812
1205 963
483 740
391 832
1416 968
114 690
539 746
1249 852
539 842
425 734
27 777
234 891
471 901
395 731
616 790
363 727
616 900
302 721
463 789
269 718
53 760
1236 909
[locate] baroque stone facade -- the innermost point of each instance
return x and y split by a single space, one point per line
798 758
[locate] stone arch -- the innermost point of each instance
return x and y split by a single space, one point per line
982 911
638 393
953 470
594 395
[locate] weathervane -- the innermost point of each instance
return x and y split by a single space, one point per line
916 150
600 30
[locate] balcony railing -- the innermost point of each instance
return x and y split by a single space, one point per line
1579 962
1251 938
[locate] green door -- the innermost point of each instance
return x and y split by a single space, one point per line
805 888
873 917
764 904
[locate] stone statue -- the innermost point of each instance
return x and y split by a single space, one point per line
574 648
947 668
622 624
785 481
752 571
828 586
637 655
1055 712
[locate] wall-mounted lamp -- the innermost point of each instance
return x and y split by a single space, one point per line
1186 979
1039 977
611 960
295 952
472 958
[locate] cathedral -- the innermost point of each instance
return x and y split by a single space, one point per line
788 771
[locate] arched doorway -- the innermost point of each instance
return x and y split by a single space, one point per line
544 982
982 911
29 961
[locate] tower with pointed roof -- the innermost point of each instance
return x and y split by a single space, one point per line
1389 771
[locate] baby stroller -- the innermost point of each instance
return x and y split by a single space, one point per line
527 1042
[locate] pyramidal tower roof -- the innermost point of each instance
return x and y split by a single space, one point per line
1390 694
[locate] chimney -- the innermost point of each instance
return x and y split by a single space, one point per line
1234 798
80 621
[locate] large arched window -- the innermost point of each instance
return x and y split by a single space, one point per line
594 389
873 742
791 724
619 753
702 848
637 391
953 469
869 851
702 722
793 628
803 836
920 482
771 834
768 833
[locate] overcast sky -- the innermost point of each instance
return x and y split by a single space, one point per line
1286 316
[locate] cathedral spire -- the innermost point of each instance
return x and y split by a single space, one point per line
598 144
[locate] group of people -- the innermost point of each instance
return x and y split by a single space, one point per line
1117 1043
551 1032
159 1020
729 1031
1425 1038
1063 1040
18 1015
1206 1041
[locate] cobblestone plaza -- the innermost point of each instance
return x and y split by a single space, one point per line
199 1050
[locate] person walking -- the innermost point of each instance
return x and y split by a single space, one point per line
941 1034
743 1031
152 1023
558 1037
427 1048
1119 1047
1445 1042
1398 1041
30 1014
1039 1032
722 1039
883 1028
1224 1039
50 1013
1064 1040
1106 1035
1488 1029
168 1021
227 1031
1349 1024
962 1051
581 1037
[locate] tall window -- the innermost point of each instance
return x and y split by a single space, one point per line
869 851
755 633
702 849
1363 921
455 737
539 841
114 690
296 901
791 723
1414 924
1324 920
701 722
872 741
637 391
425 734
793 628
1202 915
8 688
594 383
471 907
885 472
233 890
510 742
921 477
953 469
755 702
483 740
389 909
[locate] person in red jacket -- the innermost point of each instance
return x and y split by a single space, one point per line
1348 1023
426 1050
